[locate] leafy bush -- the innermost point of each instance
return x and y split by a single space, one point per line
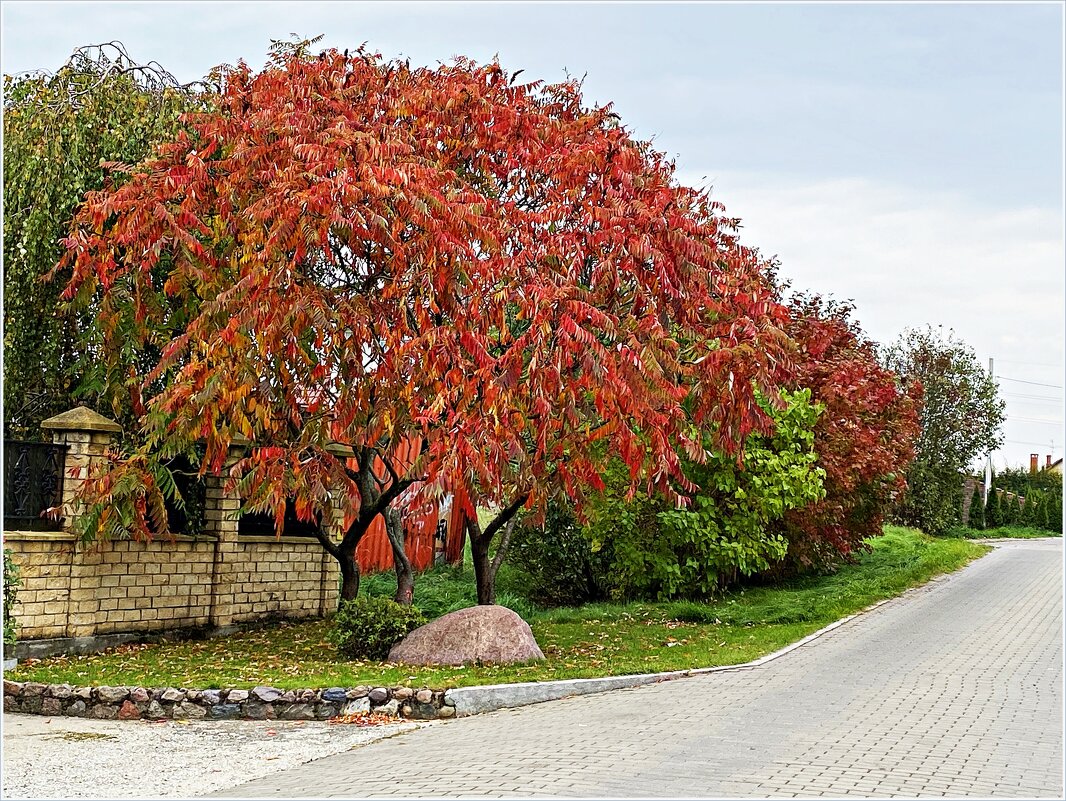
977 510
657 551
994 517
558 561
368 627
12 581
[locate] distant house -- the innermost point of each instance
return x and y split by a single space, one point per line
1055 467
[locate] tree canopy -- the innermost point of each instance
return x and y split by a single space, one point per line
355 250
960 419
100 106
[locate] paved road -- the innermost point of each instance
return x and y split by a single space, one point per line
954 690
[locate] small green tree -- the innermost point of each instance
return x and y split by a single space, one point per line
977 510
993 509
1014 510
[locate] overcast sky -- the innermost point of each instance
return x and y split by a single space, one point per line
908 157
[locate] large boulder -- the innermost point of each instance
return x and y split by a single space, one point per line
479 634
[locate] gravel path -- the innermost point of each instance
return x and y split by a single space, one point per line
78 758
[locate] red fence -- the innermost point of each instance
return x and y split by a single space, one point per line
434 531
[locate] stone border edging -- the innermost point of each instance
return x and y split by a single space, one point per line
259 703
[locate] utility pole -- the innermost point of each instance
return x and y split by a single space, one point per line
988 465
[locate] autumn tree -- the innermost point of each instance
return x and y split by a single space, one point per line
356 251
100 106
864 438
961 418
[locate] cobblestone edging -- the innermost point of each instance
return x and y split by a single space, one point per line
260 703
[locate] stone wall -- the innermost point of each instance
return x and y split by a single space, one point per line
132 587
260 703
72 593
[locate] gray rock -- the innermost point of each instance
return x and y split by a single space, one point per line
402 693
112 695
486 634
31 704
388 708
335 695
12 687
139 695
446 712
360 706
257 711
32 688
420 711
172 695
192 695
51 706
84 693
424 696
356 692
103 711
308 696
236 696
76 709
210 697
224 711
11 703
267 695
378 695
325 711
188 711
298 712
60 691
288 697
155 710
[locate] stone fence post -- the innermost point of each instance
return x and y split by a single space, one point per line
87 436
221 521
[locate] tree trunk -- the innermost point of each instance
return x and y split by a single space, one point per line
349 573
405 577
484 575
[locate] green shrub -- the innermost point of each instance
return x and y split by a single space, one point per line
557 560
12 581
368 627
660 552
977 510
994 517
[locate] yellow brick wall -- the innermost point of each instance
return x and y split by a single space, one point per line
126 587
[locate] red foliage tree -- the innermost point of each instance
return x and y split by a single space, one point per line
357 251
864 437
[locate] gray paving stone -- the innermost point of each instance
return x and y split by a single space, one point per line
952 690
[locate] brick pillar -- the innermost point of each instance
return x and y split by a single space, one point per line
87 436
220 518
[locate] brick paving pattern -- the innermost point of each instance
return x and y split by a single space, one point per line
951 691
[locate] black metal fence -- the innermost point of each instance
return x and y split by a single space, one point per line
33 482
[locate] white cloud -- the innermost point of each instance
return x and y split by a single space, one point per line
994 275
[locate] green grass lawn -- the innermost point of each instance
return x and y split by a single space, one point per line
594 640
1004 532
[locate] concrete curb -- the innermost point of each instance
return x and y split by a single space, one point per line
492 697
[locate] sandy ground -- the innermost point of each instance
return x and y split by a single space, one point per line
62 757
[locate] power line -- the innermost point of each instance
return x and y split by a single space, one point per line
1034 383
1027 442
1036 420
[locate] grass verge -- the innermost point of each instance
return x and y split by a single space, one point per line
589 641
1004 532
